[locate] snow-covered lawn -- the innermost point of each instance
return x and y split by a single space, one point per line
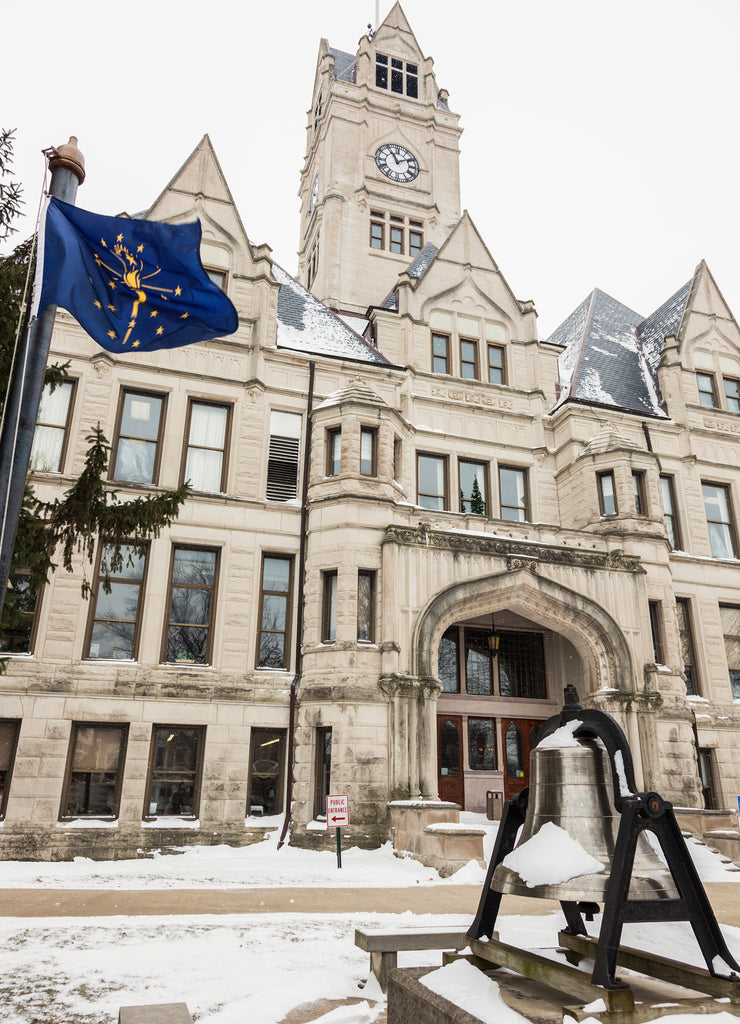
244 969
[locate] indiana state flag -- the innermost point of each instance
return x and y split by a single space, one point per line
133 285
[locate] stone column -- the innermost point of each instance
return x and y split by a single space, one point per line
412 741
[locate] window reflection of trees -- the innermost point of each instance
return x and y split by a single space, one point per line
191 605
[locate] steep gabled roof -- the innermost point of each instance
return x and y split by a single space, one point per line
663 323
423 261
345 65
603 362
307 325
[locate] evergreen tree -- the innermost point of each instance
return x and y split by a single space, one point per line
477 504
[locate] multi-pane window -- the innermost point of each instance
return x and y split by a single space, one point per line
719 520
416 237
468 359
448 661
137 446
478 675
175 767
513 492
218 277
607 493
206 451
334 451
329 606
17 629
686 639
440 353
496 365
432 482
730 618
400 76
377 230
116 607
266 761
481 744
9 730
521 665
396 234
52 428
282 461
191 600
706 773
313 264
368 451
656 631
707 390
400 235
732 393
366 605
670 516
322 786
638 489
92 786
473 488
275 611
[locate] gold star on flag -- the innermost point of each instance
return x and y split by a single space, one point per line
140 249
112 284
111 308
103 243
119 238
136 344
153 313
132 323
111 334
178 290
98 304
160 330
184 316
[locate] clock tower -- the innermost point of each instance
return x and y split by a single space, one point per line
381 174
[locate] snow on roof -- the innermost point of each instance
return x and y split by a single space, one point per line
661 324
307 325
423 261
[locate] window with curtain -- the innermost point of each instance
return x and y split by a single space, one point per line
205 458
513 490
607 493
137 443
52 428
432 482
93 782
719 520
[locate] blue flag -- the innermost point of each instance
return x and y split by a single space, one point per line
134 285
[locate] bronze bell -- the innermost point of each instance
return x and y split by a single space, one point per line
571 786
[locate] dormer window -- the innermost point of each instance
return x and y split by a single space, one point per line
398 75
216 262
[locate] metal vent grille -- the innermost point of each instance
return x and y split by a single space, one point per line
282 468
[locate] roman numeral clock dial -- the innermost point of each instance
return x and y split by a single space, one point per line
396 162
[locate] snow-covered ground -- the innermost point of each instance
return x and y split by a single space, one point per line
248 969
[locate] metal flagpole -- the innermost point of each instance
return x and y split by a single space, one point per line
67 166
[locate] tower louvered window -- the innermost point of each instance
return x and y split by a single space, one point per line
282 465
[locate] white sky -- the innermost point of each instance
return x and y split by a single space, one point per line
600 141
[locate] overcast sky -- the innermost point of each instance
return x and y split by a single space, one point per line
600 143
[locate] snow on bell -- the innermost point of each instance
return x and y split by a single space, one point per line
567 842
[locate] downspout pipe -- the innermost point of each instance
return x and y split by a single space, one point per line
301 606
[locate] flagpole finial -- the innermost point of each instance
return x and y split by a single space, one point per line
68 157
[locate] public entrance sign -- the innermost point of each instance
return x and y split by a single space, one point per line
337 811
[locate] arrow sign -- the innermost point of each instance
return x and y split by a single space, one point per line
337 811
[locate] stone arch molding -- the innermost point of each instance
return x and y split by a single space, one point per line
593 632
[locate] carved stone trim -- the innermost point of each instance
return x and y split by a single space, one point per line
397 685
425 536
514 562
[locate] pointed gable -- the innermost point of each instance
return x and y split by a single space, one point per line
394 32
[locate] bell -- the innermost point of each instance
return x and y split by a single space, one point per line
571 787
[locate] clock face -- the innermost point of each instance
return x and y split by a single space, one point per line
314 194
396 162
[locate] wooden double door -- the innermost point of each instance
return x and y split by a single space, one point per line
517 737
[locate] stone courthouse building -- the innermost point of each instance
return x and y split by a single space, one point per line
391 471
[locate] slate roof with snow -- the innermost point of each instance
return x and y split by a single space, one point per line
307 325
663 323
423 261
345 65
603 362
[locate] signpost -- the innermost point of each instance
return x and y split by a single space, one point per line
337 816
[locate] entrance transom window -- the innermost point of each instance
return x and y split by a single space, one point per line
465 665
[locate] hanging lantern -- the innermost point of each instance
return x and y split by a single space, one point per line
493 639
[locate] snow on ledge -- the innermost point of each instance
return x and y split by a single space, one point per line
76 823
468 988
167 821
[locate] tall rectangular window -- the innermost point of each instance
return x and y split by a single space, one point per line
275 611
448 667
707 390
706 772
732 393
440 353
191 600
9 730
481 744
377 230
329 607
115 615
334 451
266 768
416 237
730 618
686 639
207 448
396 236
282 462
397 458
473 489
670 515
20 610
368 451
521 666
607 493
478 675
496 365
92 785
719 520
468 359
656 631
322 784
638 490
52 428
513 491
175 768
432 482
366 605
138 438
